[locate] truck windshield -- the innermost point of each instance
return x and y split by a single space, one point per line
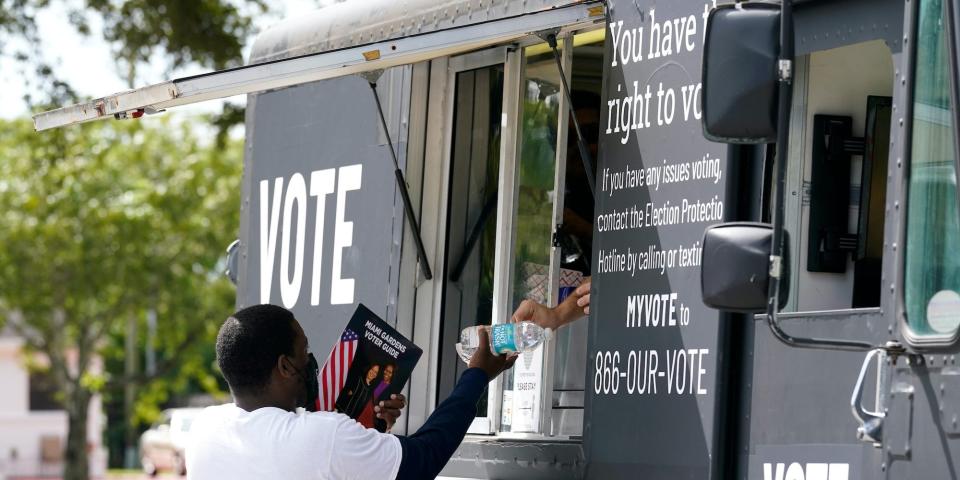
932 266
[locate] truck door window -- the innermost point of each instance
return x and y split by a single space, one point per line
536 163
836 183
931 263
472 215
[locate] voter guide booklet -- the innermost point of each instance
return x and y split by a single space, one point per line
370 362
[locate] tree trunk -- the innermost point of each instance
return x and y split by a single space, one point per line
76 462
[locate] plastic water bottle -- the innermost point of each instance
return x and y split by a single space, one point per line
505 338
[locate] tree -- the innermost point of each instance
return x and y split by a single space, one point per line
208 33
211 33
104 221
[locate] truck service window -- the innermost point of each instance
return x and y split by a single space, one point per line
472 213
553 251
536 158
550 232
932 267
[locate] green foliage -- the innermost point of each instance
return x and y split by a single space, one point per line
537 166
111 218
18 18
102 222
210 33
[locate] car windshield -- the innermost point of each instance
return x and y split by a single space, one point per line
185 424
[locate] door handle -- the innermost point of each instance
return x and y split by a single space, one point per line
871 422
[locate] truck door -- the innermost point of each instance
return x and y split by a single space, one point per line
674 389
790 408
307 240
921 428
794 405
873 226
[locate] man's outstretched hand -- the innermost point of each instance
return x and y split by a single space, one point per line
389 410
485 360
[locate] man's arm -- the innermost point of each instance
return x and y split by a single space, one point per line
427 451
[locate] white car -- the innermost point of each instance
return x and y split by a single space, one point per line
163 444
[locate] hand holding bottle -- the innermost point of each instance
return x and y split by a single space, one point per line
487 361
502 338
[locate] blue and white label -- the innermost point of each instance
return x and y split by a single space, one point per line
504 339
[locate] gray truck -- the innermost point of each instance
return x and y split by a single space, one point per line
764 195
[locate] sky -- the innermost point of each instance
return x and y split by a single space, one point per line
87 64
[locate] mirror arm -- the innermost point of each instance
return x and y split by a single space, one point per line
785 100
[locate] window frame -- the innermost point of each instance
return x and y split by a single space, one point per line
923 341
506 269
508 57
508 190
431 125
515 72
796 221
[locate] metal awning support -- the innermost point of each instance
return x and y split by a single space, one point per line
318 66
488 208
371 78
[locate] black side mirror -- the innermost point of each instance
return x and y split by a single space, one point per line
233 266
740 87
735 270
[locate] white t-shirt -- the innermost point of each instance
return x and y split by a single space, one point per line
270 443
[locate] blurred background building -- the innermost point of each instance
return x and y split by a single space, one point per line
33 426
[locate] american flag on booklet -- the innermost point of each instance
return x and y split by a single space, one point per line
334 372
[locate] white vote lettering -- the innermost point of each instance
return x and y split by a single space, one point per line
292 235
341 290
268 234
321 185
811 471
296 196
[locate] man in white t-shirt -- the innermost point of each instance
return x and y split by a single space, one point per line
263 354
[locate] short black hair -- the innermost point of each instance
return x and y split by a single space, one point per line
249 343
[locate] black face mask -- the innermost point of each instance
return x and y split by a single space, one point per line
310 382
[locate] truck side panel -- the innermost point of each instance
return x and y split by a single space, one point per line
321 217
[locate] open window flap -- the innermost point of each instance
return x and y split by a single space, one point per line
319 66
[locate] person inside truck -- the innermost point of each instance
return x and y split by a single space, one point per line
577 221
574 307
264 356
578 199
